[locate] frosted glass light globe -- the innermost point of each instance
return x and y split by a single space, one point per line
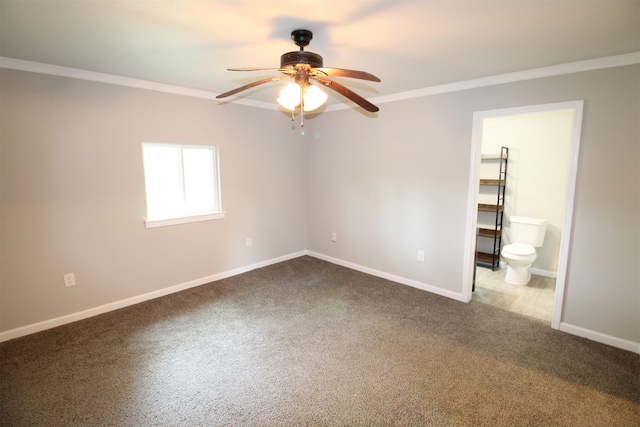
313 98
290 96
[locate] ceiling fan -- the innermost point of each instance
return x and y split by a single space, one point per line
304 66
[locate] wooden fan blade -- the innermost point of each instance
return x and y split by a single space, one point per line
252 69
348 93
354 74
250 85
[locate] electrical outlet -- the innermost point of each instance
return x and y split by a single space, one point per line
69 280
248 241
421 256
334 237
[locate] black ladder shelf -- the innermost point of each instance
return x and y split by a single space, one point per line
492 259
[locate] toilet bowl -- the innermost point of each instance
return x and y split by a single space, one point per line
527 234
519 257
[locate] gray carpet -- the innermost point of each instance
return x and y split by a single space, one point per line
309 343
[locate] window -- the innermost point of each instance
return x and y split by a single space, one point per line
182 183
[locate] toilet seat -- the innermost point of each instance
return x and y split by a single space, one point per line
519 249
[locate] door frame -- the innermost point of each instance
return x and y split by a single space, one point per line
567 222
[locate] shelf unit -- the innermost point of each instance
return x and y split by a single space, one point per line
492 259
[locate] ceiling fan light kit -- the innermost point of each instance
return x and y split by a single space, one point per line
309 98
304 66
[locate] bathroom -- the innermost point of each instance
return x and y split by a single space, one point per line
538 169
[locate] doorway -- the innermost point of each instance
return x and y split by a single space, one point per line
540 182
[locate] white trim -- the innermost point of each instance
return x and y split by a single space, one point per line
402 280
544 273
469 260
565 240
600 337
564 327
76 73
74 317
537 271
535 73
183 220
567 222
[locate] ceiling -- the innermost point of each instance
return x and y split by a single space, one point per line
409 45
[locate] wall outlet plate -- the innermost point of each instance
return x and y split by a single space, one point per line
69 280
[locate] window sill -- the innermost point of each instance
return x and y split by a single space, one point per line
183 220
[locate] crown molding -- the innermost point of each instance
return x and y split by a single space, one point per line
536 73
76 73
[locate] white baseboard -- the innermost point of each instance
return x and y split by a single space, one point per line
85 314
536 271
544 273
565 327
402 280
600 337
62 320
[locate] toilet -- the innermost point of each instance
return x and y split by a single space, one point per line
527 234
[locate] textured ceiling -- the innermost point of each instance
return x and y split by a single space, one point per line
410 45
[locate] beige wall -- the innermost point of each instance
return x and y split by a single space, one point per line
399 183
73 197
73 192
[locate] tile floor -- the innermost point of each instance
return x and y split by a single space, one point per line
534 299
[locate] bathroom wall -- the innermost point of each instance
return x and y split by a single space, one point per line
539 145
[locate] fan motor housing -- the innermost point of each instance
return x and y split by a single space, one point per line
301 57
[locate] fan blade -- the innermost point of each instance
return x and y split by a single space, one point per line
354 74
348 93
252 69
250 85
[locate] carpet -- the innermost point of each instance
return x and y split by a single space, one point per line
309 343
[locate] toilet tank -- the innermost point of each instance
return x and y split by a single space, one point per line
528 230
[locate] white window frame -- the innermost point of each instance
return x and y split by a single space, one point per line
187 217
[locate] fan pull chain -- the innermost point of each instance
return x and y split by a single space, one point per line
301 106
